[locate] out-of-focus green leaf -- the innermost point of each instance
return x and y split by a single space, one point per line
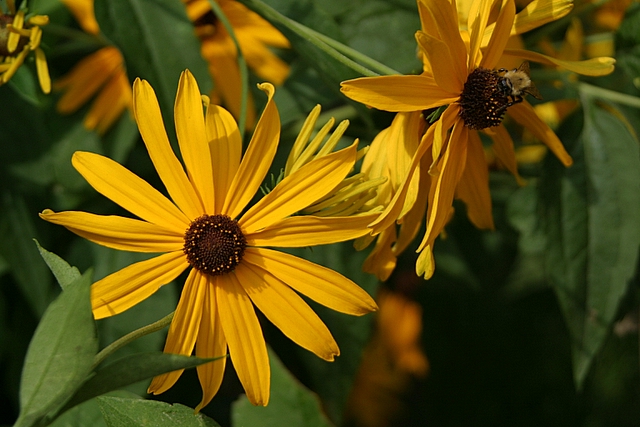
291 404
65 274
121 138
130 370
590 214
333 381
628 42
60 354
16 246
119 412
158 42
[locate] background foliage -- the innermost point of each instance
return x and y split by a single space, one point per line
535 323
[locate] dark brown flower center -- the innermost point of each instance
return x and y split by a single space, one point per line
482 101
214 244
4 36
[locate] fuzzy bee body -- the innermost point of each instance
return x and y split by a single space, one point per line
516 83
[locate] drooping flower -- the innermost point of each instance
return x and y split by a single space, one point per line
20 33
254 35
459 73
204 227
101 75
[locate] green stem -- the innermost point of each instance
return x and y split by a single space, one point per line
242 64
324 43
131 336
610 95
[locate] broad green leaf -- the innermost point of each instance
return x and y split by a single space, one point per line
291 404
60 354
121 412
65 274
131 369
590 214
83 415
333 380
158 42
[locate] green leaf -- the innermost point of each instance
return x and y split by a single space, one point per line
158 42
590 214
130 370
60 355
65 274
121 412
86 414
291 403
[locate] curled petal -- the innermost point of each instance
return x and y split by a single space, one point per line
600 66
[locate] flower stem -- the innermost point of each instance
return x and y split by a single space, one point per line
131 336
610 95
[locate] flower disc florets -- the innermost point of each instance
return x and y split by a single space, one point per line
214 244
482 101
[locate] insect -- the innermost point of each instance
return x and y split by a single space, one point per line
516 83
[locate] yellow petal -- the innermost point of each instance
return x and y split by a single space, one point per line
473 188
14 37
192 138
478 17
210 343
257 160
225 148
262 61
304 231
133 284
600 66
500 36
43 71
117 183
247 348
443 65
184 328
425 265
287 311
300 189
381 261
83 12
503 149
116 232
398 93
147 113
524 114
319 283
113 99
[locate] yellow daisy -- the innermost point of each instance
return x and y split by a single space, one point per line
208 227
101 75
19 35
459 72
255 36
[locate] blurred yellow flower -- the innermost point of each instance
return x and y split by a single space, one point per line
255 36
20 34
208 228
459 73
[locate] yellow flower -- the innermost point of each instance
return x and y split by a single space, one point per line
233 265
459 73
254 35
19 35
101 75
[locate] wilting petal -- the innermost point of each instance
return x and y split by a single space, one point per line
257 159
244 336
382 260
500 36
473 188
600 66
503 149
210 343
524 114
425 265
121 186
225 147
287 311
116 232
184 328
398 93
147 113
321 284
135 283
304 231
192 138
300 189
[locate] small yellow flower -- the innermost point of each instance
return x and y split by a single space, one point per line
255 36
207 227
459 73
19 35
101 75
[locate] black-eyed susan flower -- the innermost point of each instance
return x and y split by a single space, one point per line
254 35
20 34
101 75
208 228
460 73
